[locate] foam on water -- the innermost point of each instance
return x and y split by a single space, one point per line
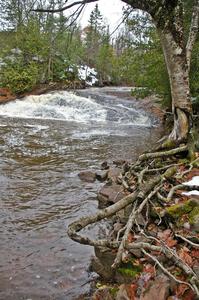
67 106
58 106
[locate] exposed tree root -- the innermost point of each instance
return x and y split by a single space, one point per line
154 179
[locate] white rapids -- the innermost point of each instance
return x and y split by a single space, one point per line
67 106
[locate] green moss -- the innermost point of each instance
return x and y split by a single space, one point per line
129 269
178 210
170 172
194 215
113 291
168 144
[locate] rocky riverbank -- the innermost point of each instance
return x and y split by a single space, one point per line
158 230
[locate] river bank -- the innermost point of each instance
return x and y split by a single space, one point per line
151 250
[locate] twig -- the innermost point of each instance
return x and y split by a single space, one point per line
188 241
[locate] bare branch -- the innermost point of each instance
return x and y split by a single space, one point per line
192 32
83 2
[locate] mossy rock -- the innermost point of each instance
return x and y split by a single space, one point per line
194 218
190 208
178 210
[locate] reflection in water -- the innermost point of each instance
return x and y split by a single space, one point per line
41 194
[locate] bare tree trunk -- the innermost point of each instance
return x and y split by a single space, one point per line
176 62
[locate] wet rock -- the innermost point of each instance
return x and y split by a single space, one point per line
101 264
104 165
158 290
110 194
101 175
119 162
113 174
87 176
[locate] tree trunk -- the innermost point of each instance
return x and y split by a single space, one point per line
176 62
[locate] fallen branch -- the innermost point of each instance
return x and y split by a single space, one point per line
163 153
135 212
187 241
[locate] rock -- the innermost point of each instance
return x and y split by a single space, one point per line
124 214
104 165
119 162
87 176
113 174
101 175
101 264
158 290
110 194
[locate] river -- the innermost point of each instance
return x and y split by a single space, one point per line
45 141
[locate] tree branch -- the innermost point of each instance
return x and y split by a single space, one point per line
83 2
192 32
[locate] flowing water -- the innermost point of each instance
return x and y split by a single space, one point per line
45 141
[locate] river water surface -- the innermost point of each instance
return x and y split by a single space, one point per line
44 142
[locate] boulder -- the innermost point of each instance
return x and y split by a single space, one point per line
110 194
101 175
87 176
158 290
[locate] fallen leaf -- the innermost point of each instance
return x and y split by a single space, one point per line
166 236
185 256
130 238
195 253
171 242
180 290
132 291
189 295
148 268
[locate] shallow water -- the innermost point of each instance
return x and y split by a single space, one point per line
44 142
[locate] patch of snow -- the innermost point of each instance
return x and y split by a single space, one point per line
89 75
193 181
191 193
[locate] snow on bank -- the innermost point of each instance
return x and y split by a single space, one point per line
89 75
193 182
